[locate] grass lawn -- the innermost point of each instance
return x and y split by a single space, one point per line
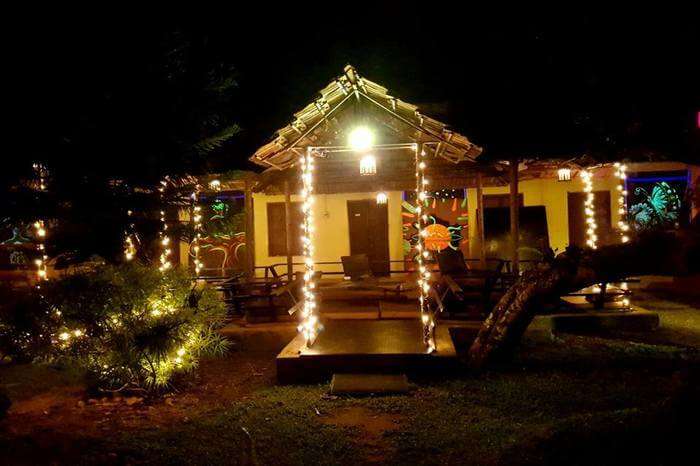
564 400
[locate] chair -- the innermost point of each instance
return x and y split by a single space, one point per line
465 284
356 267
239 291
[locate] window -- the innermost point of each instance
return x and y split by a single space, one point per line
277 229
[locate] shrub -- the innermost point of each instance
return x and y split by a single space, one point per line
25 330
132 327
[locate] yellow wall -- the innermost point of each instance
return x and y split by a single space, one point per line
331 238
552 194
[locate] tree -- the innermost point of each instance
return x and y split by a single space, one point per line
162 104
576 268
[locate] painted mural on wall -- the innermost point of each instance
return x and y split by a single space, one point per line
223 231
658 202
17 248
448 222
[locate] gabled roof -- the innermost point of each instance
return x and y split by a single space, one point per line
317 122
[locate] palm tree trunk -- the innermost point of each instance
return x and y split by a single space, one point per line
656 254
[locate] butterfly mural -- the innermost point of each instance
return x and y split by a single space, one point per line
657 208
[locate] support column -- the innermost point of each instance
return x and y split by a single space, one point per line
249 229
514 214
288 228
480 220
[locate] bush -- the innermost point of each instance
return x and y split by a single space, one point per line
25 331
130 326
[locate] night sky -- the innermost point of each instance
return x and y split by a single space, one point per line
91 95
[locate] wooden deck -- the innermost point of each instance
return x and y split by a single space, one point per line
365 346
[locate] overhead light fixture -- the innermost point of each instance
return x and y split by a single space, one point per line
361 139
368 165
382 198
564 174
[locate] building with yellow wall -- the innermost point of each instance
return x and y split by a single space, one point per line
332 237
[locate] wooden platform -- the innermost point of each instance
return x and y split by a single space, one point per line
365 346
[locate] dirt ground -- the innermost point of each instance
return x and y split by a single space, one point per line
71 408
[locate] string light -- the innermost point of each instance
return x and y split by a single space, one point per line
164 259
40 228
423 273
196 216
129 243
40 231
309 320
63 336
66 337
623 226
589 209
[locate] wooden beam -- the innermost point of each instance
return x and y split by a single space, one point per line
249 229
288 229
514 214
480 219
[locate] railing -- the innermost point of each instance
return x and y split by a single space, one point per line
218 273
268 269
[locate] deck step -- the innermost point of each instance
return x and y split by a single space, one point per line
365 384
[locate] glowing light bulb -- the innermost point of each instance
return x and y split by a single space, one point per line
361 138
564 174
368 165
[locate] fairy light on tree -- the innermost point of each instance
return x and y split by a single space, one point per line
622 224
129 239
40 232
309 323
422 252
164 239
196 215
589 209
41 174
63 336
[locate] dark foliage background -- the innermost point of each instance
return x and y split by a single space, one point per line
137 96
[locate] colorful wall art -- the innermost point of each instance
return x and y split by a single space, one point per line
448 221
223 237
658 201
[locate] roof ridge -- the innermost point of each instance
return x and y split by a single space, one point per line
332 98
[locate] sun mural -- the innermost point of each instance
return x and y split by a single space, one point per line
438 236
447 222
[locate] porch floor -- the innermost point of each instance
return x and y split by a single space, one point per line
365 346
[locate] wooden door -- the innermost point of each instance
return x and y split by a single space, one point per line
577 218
368 224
